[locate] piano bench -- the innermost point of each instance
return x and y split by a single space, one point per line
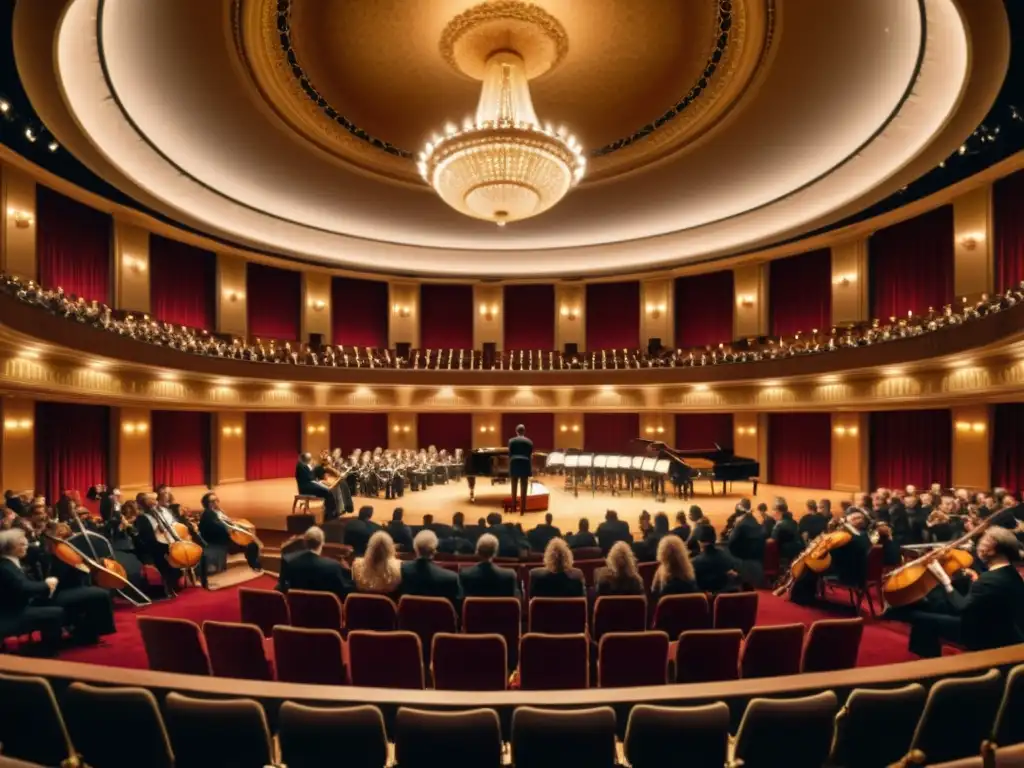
300 505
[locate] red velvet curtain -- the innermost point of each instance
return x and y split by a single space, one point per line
703 430
529 316
445 430
1008 218
359 312
540 427
72 448
350 430
73 246
274 298
800 292
911 265
272 444
704 309
800 449
911 448
613 316
1008 446
610 432
183 283
181 447
446 317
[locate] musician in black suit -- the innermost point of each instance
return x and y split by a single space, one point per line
150 522
308 569
485 579
359 531
612 530
520 466
310 485
215 532
542 534
746 544
557 578
813 523
423 577
786 533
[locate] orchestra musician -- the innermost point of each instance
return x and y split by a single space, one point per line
849 560
309 484
520 466
213 528
150 524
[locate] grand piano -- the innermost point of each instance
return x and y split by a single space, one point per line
493 463
709 464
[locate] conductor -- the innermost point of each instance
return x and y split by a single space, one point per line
520 465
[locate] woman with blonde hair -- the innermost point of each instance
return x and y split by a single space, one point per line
378 570
557 578
675 574
619 575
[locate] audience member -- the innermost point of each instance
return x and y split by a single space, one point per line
746 544
714 568
786 532
619 576
583 537
612 530
485 579
542 534
646 550
359 531
700 524
399 532
766 520
682 529
308 569
813 523
378 570
424 577
557 577
675 575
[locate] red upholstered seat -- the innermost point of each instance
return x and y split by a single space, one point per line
772 651
426 616
554 662
174 645
265 608
588 567
771 562
832 644
237 650
469 662
582 554
675 614
385 659
707 655
647 571
372 612
495 615
619 613
736 611
632 658
309 655
558 615
314 610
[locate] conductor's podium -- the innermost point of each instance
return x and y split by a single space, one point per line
536 499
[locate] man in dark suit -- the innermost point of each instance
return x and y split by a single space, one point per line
423 577
485 579
308 569
520 466
542 534
812 524
583 537
149 524
746 544
714 568
612 530
215 532
309 484
509 542
359 531
786 533
399 532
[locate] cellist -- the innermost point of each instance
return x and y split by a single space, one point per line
849 562
151 521
217 535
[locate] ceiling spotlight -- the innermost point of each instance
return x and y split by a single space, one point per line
53 146
5 106
30 135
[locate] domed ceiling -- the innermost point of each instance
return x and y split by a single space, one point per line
709 126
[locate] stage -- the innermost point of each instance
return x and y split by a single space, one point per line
267 503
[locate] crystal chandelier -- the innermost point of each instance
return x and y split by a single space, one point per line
504 165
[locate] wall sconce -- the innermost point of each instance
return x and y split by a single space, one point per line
402 310
747 300
655 430
131 428
229 431
564 428
15 425
319 305
970 241
317 429
403 428
746 431
966 426
842 430
655 311
569 313
233 296
22 219
487 429
488 312
134 264
844 280
575 427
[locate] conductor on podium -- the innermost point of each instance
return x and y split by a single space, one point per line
520 465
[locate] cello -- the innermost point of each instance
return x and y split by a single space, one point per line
816 557
182 552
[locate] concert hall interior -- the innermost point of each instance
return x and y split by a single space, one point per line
523 381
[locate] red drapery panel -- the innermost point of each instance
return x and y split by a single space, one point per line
704 309
181 447
351 430
1008 446
703 430
911 265
446 316
272 444
72 448
911 448
540 427
182 285
800 449
800 293
1008 218
359 312
529 316
72 246
273 299
613 316
445 430
610 432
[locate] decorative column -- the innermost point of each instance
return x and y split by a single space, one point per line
487 430
402 431
973 251
231 301
316 432
657 311
132 449
404 326
750 304
751 439
228 447
569 430
18 444
850 441
850 282
570 316
18 233
488 323
971 447
316 305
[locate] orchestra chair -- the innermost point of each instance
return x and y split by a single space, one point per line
266 608
632 658
467 739
707 655
553 662
654 735
771 562
141 737
242 736
309 656
34 729
772 651
301 502
469 662
371 612
238 650
558 615
309 737
174 645
858 593
619 613
386 659
736 610
1009 722
495 615
647 571
675 614
958 715
888 716
796 733
426 616
555 738
832 644
314 610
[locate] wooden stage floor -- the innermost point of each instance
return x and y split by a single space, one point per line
267 503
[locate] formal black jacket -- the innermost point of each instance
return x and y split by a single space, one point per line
768 524
17 590
582 539
850 562
712 567
213 530
305 479
510 542
544 583
673 587
425 578
604 584
695 537
400 533
746 542
488 580
541 535
787 534
611 531
682 531
358 533
813 525
520 453
308 570
992 613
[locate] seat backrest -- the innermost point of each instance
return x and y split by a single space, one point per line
426 616
632 658
708 655
553 662
236 650
771 557
832 644
588 567
583 554
374 612
468 739
314 610
174 645
497 615
674 614
309 736
889 716
969 702
553 738
876 562
558 615
736 611
240 725
89 711
654 735
309 656
265 608
1009 722
647 571
386 659
619 613
469 662
796 733
772 650
34 729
